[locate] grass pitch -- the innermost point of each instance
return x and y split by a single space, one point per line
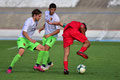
103 62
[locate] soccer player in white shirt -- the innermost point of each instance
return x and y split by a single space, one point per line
25 41
50 36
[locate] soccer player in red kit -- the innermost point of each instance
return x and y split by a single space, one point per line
73 31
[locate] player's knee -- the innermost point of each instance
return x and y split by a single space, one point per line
21 51
87 42
40 48
66 54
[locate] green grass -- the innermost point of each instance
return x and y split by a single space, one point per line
103 62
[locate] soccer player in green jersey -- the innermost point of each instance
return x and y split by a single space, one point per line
51 33
25 41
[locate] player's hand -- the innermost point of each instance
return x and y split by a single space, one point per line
61 24
46 36
39 30
49 22
33 41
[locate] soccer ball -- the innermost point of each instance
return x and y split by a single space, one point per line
81 68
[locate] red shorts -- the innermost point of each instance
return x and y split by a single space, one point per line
70 35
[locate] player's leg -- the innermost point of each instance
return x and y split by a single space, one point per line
15 59
50 42
21 42
42 55
46 58
39 58
67 41
40 48
65 59
85 46
82 38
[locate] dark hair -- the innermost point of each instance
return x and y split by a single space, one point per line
52 5
36 12
85 26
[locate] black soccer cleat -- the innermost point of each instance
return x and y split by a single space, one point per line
66 72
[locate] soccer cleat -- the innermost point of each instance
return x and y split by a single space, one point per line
38 68
66 72
44 68
49 65
9 71
82 54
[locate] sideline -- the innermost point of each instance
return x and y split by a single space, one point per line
93 35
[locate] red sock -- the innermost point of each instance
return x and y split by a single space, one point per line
66 65
83 49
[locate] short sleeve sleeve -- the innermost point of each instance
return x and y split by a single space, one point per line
26 25
57 19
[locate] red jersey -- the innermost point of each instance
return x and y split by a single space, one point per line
74 25
72 32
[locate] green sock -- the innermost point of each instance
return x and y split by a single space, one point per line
15 59
45 57
40 55
48 61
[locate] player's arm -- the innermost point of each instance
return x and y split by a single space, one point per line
26 36
25 29
82 29
54 23
53 33
57 23
60 24
43 27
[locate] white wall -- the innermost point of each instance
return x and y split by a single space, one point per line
37 3
93 35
